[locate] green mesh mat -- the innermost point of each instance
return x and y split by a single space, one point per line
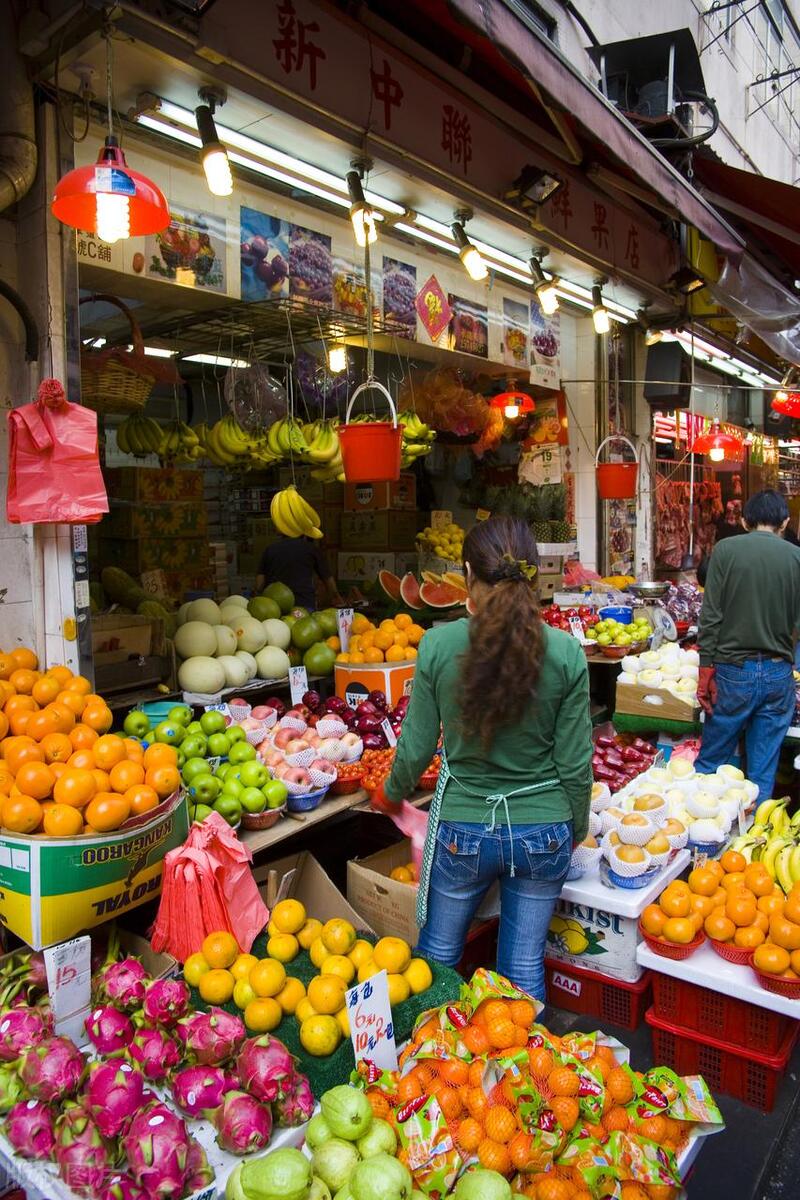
325 1073
627 723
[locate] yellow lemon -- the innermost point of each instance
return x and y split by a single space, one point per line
344 1021
194 968
288 916
339 964
309 933
320 1035
361 953
272 929
284 947
304 1010
392 954
418 975
367 970
243 994
243 966
216 986
263 1015
220 949
338 936
291 994
318 952
268 977
399 989
326 993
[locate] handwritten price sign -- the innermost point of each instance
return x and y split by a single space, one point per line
371 1025
69 978
344 621
298 683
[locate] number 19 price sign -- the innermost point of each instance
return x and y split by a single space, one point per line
371 1025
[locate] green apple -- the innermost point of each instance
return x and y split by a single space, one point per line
591 634
622 639
181 757
604 639
229 809
254 774
234 772
241 752
232 787
204 788
223 770
194 727
181 713
276 793
194 745
218 745
136 724
235 734
192 768
212 722
169 732
199 812
253 800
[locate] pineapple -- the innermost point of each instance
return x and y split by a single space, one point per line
559 525
539 509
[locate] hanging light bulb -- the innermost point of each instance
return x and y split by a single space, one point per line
361 215
113 217
513 404
545 288
337 359
717 445
600 318
470 255
213 155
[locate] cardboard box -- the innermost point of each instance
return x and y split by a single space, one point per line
331 523
548 585
184 518
401 493
52 889
154 485
311 489
300 877
354 683
389 906
640 701
386 530
135 555
595 940
358 568
116 638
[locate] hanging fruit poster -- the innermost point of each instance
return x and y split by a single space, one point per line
545 347
310 265
469 327
516 330
400 296
190 251
264 251
349 288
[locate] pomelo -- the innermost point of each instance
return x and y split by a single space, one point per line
263 608
281 594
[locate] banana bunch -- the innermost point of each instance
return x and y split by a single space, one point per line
140 435
180 444
294 516
285 439
324 452
226 444
418 438
774 840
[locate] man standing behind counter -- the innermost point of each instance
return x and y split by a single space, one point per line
295 562
748 626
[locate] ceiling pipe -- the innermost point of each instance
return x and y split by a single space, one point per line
18 154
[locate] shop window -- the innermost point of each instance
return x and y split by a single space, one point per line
535 17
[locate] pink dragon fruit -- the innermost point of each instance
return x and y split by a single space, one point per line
157 1146
11 1089
199 1173
123 984
83 1157
165 1002
154 1052
244 1125
123 1187
114 1094
29 1128
211 1038
297 1106
109 1030
265 1068
53 1069
198 1091
20 1028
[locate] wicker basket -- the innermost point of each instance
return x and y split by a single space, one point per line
117 380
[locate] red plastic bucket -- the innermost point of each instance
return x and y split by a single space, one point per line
371 450
616 480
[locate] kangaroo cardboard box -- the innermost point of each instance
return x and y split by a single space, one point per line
52 889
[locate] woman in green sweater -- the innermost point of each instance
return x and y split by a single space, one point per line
511 698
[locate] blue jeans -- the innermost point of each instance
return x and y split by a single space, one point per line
756 699
467 860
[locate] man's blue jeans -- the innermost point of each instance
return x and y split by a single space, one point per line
756 699
467 860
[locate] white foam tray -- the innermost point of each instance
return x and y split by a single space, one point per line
623 902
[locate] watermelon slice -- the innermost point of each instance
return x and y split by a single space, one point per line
410 591
390 584
440 595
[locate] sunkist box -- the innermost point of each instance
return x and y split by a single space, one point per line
354 683
583 936
52 889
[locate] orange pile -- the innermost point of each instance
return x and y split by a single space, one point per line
391 641
61 772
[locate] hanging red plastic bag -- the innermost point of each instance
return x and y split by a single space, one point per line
53 465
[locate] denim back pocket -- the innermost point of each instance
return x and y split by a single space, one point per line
548 850
458 851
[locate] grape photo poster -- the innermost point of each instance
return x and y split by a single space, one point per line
515 332
400 296
469 327
545 347
310 265
264 255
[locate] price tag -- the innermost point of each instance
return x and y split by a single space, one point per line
155 584
742 819
659 760
344 620
440 518
576 628
80 539
482 514
389 733
222 707
371 1025
298 683
541 466
69 982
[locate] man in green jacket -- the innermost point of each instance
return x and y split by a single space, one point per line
748 626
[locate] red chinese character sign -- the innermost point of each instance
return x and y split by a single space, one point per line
433 308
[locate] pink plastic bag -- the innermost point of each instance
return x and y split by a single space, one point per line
413 823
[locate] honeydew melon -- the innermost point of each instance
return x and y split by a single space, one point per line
204 610
201 674
226 639
249 662
195 638
277 633
235 670
272 663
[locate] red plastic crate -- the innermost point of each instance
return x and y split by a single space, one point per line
718 1016
596 995
732 1070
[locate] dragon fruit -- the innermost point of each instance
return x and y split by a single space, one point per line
53 1069
211 1038
20 1028
244 1125
157 1147
29 1128
199 1173
197 1091
265 1068
297 1105
165 1002
123 984
82 1154
114 1094
109 1030
154 1052
11 1087
123 1187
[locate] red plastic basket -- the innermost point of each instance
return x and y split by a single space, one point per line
711 1014
741 955
732 1070
671 949
780 987
578 990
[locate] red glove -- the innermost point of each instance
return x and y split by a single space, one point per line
381 802
707 689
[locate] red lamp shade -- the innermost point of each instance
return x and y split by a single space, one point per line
787 404
517 402
133 202
717 445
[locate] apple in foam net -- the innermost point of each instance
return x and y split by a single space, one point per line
322 764
296 746
272 758
263 712
296 775
648 802
350 739
283 737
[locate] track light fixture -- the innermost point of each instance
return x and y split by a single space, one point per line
545 288
361 215
213 155
600 317
470 255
